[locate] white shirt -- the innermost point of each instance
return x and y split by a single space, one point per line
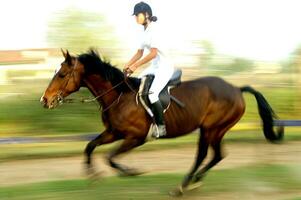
152 38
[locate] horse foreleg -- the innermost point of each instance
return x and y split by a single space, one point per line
104 138
128 144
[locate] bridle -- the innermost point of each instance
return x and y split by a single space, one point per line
59 96
61 99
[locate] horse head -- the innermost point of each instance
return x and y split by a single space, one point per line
87 70
66 80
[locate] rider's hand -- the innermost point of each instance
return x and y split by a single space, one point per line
127 72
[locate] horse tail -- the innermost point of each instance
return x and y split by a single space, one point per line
267 115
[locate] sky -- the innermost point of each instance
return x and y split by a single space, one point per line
257 29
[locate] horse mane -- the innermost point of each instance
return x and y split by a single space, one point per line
95 65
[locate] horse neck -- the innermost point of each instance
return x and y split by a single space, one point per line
99 87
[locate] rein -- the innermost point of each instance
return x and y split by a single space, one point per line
129 85
101 95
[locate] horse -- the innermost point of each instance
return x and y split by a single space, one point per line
212 105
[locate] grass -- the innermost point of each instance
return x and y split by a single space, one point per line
254 181
24 116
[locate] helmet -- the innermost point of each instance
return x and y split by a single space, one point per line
142 8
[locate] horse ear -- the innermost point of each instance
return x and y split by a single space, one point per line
64 53
68 58
67 55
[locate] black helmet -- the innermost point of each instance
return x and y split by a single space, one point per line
142 8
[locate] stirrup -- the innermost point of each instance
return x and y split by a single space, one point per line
158 131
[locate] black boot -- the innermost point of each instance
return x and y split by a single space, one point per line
159 130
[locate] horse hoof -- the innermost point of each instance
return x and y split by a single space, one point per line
95 177
177 192
90 171
135 173
131 172
194 186
93 174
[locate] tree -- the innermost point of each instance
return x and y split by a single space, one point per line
297 67
208 53
78 30
239 65
292 66
297 60
222 64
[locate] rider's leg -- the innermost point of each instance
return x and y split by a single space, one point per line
158 84
155 110
160 129
146 82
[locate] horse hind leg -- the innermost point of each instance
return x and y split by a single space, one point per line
216 144
201 155
213 137
218 156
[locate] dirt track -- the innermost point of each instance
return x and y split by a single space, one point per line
172 160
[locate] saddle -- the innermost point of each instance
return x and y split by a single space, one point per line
164 97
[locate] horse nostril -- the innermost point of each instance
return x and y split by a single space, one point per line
43 100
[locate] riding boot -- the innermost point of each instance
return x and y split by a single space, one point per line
159 130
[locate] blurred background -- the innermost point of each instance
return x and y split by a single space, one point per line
255 43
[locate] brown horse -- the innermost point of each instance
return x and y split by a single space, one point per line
211 104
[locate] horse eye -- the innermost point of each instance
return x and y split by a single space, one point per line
61 75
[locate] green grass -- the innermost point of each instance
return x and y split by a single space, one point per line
24 116
258 181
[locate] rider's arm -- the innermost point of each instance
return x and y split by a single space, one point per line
136 57
152 54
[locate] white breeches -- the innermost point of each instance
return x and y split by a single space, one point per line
162 76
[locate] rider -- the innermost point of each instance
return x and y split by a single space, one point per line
159 72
